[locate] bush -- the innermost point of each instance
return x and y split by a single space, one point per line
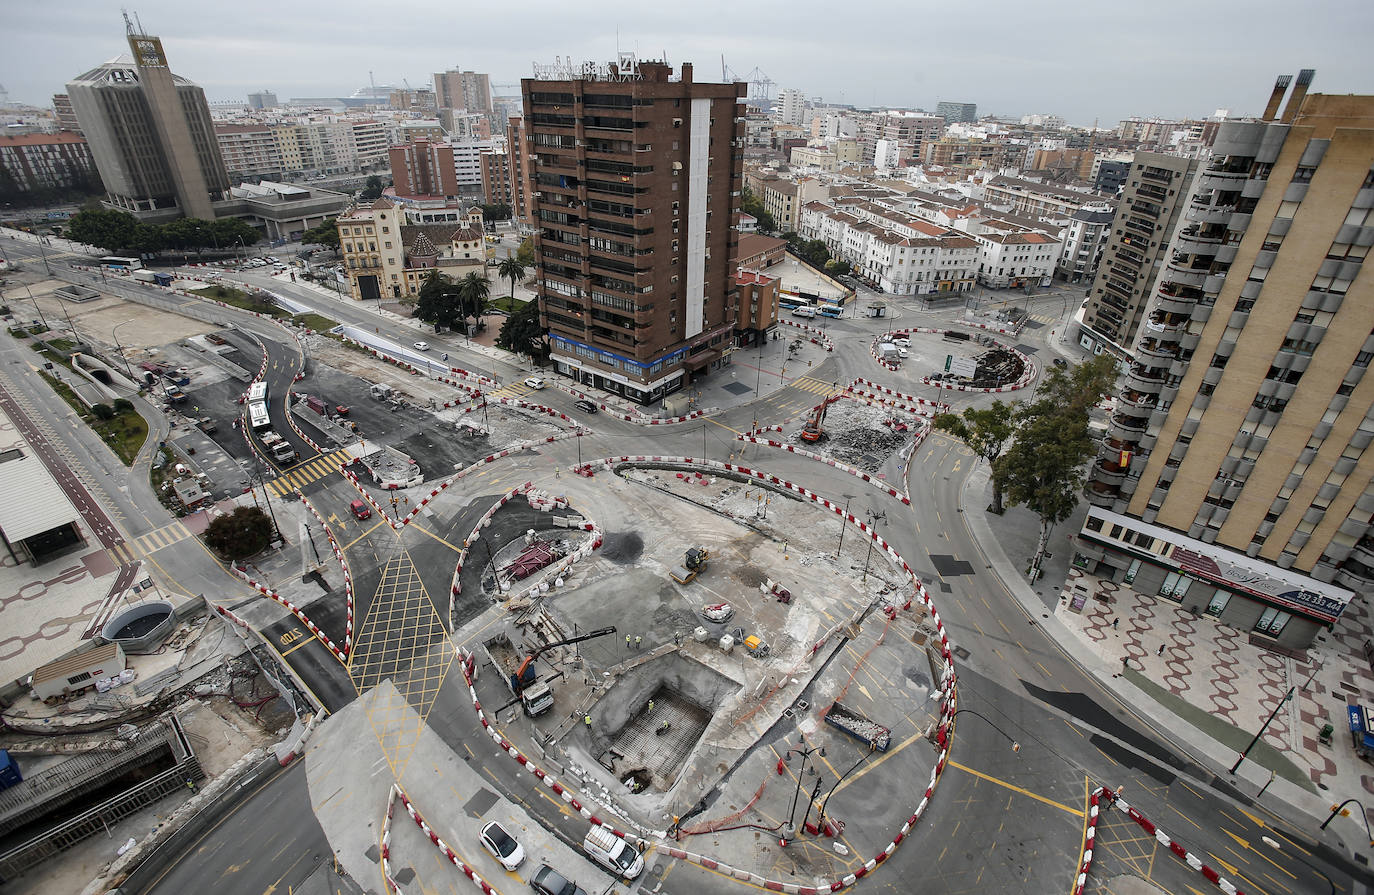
123 405
239 535
102 412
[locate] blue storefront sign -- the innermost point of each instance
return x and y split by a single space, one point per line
1357 719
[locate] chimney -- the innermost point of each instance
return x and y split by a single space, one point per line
1280 85
1294 104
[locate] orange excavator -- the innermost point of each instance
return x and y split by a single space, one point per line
814 430
525 673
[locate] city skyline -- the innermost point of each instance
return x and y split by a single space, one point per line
1156 74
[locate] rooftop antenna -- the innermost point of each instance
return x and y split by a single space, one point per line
128 25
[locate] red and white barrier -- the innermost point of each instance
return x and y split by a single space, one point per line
937 406
1182 853
343 564
444 848
1085 861
947 691
296 611
828 461
816 336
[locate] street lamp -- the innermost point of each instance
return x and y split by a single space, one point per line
1287 696
1337 809
805 752
1015 746
843 519
114 333
1276 846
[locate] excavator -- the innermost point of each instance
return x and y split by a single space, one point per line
813 430
525 673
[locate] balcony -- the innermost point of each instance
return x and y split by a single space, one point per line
1138 400
1124 426
1102 494
1108 472
1146 379
1192 243
1200 213
1158 349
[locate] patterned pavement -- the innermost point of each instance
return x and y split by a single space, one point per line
1215 668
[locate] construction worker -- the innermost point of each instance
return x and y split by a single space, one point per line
651 706
587 720
627 641
637 641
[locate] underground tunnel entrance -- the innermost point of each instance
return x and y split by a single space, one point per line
660 711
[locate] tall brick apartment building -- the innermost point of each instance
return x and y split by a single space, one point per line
637 179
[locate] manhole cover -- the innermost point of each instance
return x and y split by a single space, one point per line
961 652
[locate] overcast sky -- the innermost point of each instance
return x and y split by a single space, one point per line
1082 59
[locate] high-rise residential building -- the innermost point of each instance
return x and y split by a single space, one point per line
66 116
638 180
792 105
953 112
1085 239
263 99
34 162
521 164
467 90
249 150
496 180
1235 479
150 134
1152 201
423 168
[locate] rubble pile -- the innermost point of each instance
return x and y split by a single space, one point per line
855 434
997 367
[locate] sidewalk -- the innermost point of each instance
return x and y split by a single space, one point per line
1208 690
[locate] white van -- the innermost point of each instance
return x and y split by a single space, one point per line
804 311
613 853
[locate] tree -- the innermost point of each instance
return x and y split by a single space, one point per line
1043 470
326 234
525 254
373 190
752 205
123 405
112 231
473 291
102 411
511 269
986 430
837 267
522 332
499 211
438 302
232 232
240 534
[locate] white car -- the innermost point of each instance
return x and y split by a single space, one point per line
534 382
502 846
902 342
421 346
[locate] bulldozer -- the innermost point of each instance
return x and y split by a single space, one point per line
693 563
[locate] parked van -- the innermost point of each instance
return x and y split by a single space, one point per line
613 853
804 311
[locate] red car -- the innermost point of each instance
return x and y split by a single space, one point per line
360 509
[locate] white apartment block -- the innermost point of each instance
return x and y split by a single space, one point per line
1012 257
467 160
792 105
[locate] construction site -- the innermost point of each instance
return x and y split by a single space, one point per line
719 624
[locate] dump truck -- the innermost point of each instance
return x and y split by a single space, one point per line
280 449
693 563
534 695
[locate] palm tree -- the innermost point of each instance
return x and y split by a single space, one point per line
473 290
513 270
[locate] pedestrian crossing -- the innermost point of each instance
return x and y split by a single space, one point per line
152 542
512 390
307 472
1044 318
816 386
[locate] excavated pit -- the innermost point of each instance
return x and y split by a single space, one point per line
650 747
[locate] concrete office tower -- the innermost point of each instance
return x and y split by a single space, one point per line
792 102
1236 472
1151 203
953 112
150 134
637 181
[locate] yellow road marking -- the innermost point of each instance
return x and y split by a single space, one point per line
1014 788
305 641
722 425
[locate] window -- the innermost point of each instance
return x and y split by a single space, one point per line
1175 586
1217 605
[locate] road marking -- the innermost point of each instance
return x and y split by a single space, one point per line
1083 841
1248 847
1014 788
722 425
305 641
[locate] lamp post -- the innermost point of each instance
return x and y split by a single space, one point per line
872 517
843 519
114 334
805 752
35 306
1287 696
1015 746
1337 809
872 747
1276 846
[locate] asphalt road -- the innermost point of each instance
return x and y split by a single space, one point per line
1001 820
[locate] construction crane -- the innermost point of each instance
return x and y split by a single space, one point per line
525 673
760 85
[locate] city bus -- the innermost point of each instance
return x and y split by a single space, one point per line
257 417
114 262
832 311
787 302
257 393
